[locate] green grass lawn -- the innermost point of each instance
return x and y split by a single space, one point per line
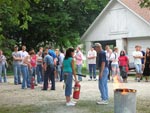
84 106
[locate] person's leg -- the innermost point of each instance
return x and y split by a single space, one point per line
5 73
61 75
79 68
0 73
45 85
38 74
68 88
117 70
19 73
138 71
15 73
94 71
52 78
24 74
90 70
29 76
113 66
105 78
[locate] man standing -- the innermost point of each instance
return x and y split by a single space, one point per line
92 63
137 55
103 74
16 65
79 59
49 71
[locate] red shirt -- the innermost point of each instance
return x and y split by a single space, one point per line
33 61
123 61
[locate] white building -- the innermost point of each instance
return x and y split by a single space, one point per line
122 23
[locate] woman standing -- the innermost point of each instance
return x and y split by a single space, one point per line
69 70
146 72
26 65
2 67
123 65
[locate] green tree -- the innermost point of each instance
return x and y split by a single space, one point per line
59 22
13 15
145 3
56 22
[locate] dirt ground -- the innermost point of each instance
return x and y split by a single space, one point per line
49 101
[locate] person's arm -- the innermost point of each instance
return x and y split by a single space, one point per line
45 65
144 59
79 56
25 60
73 69
102 67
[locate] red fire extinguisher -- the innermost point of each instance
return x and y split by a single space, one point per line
76 92
32 83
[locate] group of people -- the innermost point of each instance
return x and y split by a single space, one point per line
48 65
119 64
45 64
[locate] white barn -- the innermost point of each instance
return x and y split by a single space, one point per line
122 23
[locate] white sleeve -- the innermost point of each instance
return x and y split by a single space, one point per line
95 53
134 53
112 56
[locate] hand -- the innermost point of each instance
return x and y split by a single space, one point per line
100 76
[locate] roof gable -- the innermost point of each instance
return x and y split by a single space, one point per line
135 6
129 6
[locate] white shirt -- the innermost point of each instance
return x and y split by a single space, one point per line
137 60
2 60
114 58
23 55
92 54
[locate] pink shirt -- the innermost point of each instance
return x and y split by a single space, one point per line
79 58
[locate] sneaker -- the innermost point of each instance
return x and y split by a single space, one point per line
103 102
70 104
95 79
138 79
89 79
74 102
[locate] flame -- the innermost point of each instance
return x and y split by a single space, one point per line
124 92
117 82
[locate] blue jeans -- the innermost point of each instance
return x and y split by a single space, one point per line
26 78
68 83
61 74
3 70
92 68
33 73
39 73
49 75
17 73
115 70
103 84
79 69
138 68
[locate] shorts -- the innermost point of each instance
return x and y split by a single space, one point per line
138 68
68 83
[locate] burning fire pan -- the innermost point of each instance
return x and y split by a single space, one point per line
125 101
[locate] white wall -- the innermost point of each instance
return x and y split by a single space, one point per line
117 22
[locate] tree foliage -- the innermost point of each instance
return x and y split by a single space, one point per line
41 22
58 22
145 3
